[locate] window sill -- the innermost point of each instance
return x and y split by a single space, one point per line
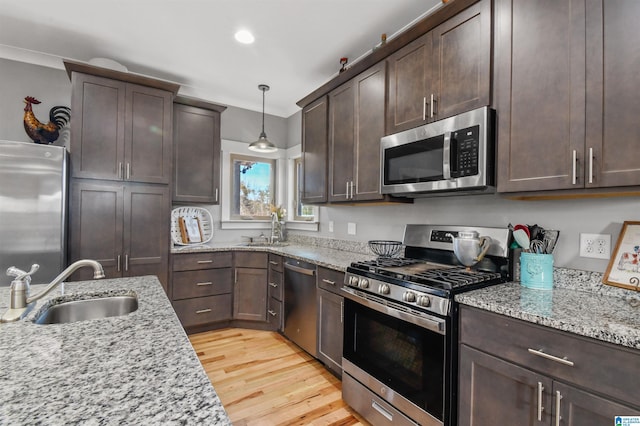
266 224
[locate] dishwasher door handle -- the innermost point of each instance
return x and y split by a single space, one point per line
305 271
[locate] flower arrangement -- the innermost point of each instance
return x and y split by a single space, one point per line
279 211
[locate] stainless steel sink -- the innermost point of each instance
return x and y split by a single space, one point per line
264 244
87 309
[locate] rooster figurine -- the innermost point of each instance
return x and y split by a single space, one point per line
59 117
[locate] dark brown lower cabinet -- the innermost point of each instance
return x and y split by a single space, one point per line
330 319
250 286
121 225
516 373
276 286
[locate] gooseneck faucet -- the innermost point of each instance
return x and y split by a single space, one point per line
20 300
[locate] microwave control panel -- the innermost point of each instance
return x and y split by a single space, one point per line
465 146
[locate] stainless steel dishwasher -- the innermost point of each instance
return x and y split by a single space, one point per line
301 304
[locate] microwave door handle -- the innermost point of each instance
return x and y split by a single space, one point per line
446 156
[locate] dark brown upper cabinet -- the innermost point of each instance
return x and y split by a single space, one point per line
564 79
356 124
314 152
444 72
196 158
120 130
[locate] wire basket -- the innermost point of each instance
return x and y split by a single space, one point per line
204 219
384 248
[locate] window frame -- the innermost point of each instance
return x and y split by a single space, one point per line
233 157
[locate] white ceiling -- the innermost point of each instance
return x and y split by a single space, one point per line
298 42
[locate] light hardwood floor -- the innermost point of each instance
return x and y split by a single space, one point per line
263 379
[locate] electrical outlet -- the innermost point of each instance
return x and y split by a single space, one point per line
330 226
596 246
351 228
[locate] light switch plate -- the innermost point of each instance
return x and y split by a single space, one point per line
330 226
351 228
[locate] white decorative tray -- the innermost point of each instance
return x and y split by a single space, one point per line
204 219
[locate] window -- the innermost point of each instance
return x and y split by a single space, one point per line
301 211
252 187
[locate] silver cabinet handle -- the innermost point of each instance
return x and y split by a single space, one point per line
120 171
380 409
590 165
272 313
540 407
235 276
273 262
574 166
205 283
128 177
346 190
543 354
203 311
216 195
424 108
352 189
433 103
126 263
118 263
342 311
274 285
324 280
200 262
558 416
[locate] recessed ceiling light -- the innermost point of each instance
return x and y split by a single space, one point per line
245 37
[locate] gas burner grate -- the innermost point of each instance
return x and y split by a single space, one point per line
453 278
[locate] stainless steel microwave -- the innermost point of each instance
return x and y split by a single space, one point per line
447 157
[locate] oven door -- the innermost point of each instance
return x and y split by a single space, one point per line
385 351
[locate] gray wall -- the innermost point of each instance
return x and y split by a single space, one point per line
242 125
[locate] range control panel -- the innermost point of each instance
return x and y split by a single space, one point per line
443 236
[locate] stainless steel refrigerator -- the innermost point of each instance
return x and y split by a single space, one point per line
33 207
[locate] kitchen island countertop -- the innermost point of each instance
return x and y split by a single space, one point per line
579 303
138 368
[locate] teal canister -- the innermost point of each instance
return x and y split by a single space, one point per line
536 271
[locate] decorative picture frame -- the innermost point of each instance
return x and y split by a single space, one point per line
624 264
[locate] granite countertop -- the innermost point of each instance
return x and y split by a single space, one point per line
322 256
134 369
579 303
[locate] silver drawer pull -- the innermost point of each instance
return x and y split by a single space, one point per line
272 313
203 311
540 352
273 262
204 261
558 407
540 407
324 280
274 285
205 283
380 409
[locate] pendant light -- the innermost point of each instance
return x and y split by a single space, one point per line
263 144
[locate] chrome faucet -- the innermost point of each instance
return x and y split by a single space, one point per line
275 234
21 302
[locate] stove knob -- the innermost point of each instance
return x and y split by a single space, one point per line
409 296
353 281
384 289
363 283
423 301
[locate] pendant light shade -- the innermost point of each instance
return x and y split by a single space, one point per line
263 144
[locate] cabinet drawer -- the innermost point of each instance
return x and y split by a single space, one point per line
275 284
194 261
251 259
330 279
603 367
275 262
203 310
274 314
205 282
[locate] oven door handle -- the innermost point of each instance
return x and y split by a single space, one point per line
435 324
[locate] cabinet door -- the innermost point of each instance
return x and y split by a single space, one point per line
410 82
148 136
496 392
461 63
97 127
250 294
613 38
196 172
146 234
341 141
539 93
330 330
579 408
96 225
369 128
314 152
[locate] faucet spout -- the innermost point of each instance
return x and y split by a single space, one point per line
98 273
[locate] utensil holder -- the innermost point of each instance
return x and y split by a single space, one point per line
536 271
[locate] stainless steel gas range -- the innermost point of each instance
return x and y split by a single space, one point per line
400 325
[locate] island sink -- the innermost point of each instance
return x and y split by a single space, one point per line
87 309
